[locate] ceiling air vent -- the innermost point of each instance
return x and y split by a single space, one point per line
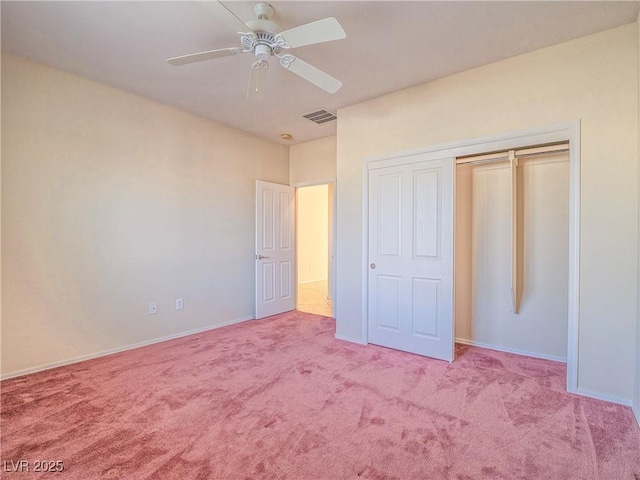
321 116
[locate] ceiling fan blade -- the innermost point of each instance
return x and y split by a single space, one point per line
311 73
315 32
255 90
223 13
201 56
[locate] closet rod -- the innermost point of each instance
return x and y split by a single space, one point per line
521 153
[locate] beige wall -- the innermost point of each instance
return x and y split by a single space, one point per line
313 161
111 201
593 78
312 233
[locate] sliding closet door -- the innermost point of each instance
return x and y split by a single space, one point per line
484 313
410 282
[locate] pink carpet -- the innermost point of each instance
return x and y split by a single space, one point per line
281 398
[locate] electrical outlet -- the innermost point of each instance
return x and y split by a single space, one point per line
179 303
153 308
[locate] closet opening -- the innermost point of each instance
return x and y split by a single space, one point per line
512 250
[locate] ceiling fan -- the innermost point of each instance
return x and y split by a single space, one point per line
265 39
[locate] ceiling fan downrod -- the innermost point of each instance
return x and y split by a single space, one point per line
263 10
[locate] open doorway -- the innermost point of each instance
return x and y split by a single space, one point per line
512 251
314 262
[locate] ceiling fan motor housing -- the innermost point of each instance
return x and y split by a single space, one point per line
262 51
262 42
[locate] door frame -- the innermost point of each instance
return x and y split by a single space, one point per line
332 250
558 132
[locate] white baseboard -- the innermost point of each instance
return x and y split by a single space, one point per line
601 396
359 341
636 412
543 356
111 351
579 391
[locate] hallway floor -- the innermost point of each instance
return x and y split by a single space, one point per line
312 298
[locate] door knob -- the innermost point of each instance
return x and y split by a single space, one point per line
373 266
260 257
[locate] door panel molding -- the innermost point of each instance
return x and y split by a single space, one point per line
429 239
424 314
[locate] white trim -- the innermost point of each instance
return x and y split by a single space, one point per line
313 183
573 311
600 396
334 250
558 132
364 327
515 351
111 351
636 393
359 341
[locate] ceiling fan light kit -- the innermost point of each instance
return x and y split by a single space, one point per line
264 39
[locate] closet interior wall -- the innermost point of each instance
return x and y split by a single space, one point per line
483 305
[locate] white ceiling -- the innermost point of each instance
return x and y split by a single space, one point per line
389 46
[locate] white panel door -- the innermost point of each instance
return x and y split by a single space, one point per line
275 206
410 277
